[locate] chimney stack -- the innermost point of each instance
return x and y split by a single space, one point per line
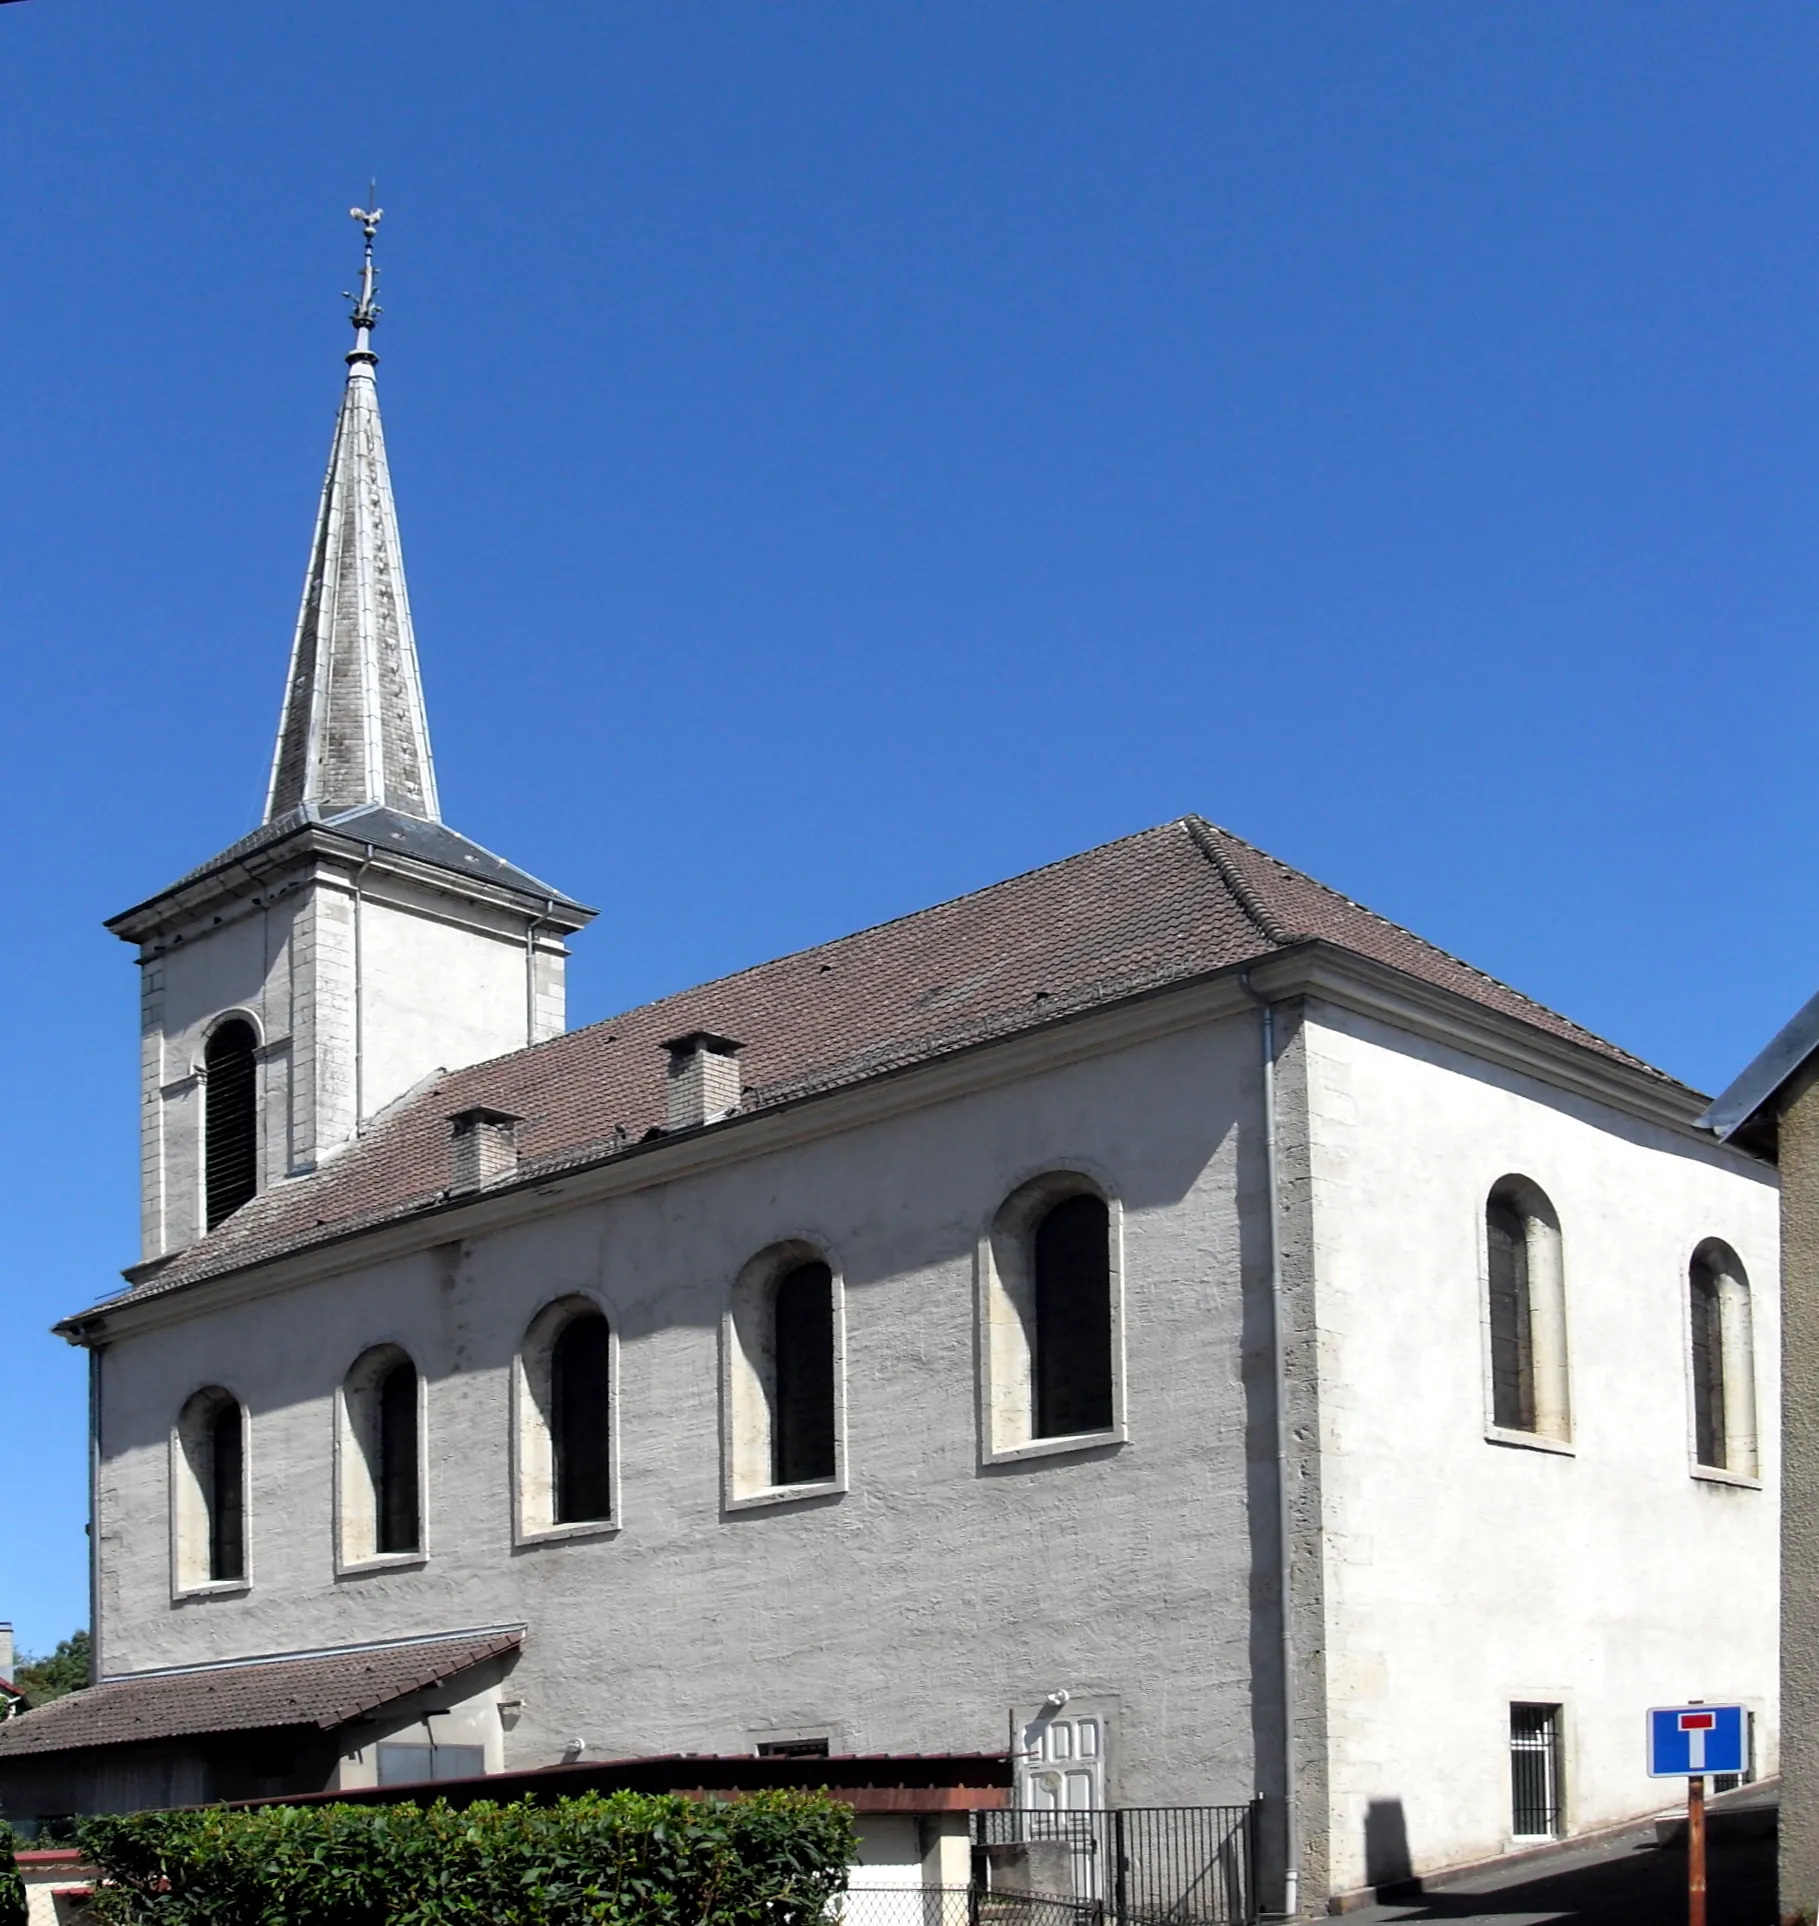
6 1651
483 1150
703 1079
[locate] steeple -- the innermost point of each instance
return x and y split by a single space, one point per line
299 982
354 731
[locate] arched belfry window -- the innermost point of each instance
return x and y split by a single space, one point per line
210 1490
380 1484
230 1151
782 1357
802 1410
1051 1320
1525 1312
1722 1362
1072 1362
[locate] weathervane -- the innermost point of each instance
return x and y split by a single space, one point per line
365 316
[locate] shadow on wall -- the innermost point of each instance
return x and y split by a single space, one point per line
1386 1860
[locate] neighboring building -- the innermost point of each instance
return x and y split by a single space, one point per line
879 1350
1773 1110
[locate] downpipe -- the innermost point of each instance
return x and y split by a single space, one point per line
1291 1878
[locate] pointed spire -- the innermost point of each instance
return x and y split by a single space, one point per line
354 729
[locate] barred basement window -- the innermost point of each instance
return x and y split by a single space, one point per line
1071 1366
230 1152
1535 1771
1721 1358
1525 1311
802 1412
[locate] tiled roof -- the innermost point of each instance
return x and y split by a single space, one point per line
1162 907
324 1690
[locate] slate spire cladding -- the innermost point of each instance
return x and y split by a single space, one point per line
354 731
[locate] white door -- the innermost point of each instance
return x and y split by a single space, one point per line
1061 1785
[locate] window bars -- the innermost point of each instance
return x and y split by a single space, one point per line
1535 1771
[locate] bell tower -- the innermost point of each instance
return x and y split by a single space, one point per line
353 944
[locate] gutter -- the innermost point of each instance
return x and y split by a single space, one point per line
1291 1875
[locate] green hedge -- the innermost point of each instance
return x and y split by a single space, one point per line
632 1859
12 1887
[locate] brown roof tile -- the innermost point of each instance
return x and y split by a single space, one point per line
325 1690
1158 908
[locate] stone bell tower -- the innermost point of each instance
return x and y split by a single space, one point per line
353 944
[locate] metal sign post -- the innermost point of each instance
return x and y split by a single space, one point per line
1686 1742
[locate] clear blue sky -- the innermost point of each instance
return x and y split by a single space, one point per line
851 451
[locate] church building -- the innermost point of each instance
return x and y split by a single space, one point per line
1152 1314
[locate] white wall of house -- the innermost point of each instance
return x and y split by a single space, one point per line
1463 1574
910 1611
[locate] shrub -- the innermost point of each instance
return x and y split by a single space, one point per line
12 1887
627 1859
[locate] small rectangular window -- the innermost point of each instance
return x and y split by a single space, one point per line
416 1765
1535 1771
792 1748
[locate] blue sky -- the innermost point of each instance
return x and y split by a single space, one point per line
852 451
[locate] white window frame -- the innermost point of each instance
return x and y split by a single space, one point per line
1004 1293
1737 1362
748 1378
533 1444
356 1421
1550 1341
190 1446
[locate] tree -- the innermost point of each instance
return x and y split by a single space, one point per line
64 1670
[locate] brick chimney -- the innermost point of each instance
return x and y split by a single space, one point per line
703 1079
484 1148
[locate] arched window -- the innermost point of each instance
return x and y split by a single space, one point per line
1525 1312
210 1490
230 1152
1072 1363
396 1496
578 1420
782 1368
802 1411
1722 1361
1051 1307
379 1497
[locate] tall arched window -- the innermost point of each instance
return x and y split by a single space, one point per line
210 1490
230 1152
802 1411
1525 1312
396 1495
1071 1362
579 1430
1722 1361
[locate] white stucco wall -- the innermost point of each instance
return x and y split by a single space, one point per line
1463 1574
909 1612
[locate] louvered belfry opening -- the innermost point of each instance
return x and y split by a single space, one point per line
230 1151
1708 1365
802 1419
579 1430
227 1492
1512 1317
1071 1367
398 1523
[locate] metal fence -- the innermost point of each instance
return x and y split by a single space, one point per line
1126 1865
956 1906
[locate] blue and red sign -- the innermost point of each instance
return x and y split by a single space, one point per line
1688 1741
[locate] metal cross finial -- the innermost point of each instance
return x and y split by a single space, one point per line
366 312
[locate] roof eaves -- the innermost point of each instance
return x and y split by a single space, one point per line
1751 1092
